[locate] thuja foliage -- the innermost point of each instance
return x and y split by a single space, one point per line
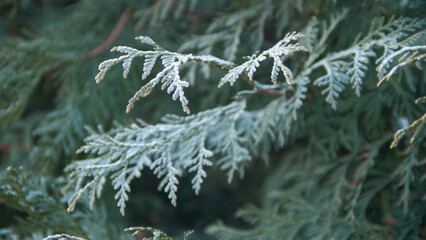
320 105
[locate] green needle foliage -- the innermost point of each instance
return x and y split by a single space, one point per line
305 118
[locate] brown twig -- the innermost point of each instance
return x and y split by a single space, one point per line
114 34
270 92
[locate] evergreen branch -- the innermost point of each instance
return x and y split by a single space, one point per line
406 55
390 36
157 234
334 80
282 48
114 34
169 76
130 149
118 156
62 237
125 151
359 69
330 181
272 124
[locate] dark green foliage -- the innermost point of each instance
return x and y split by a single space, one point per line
322 120
39 208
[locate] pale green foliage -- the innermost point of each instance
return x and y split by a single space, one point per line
136 231
187 143
292 208
169 77
157 234
334 167
249 23
62 237
184 143
282 48
270 126
414 129
350 65
287 215
404 56
169 148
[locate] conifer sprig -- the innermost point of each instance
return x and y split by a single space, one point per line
63 236
405 56
157 234
351 65
169 77
125 151
282 48
414 129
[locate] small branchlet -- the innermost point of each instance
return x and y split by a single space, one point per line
169 77
282 48
414 129
63 237
351 65
124 152
156 234
404 56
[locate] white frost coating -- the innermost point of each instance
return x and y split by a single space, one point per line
124 152
282 48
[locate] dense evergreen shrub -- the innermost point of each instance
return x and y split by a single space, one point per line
303 118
